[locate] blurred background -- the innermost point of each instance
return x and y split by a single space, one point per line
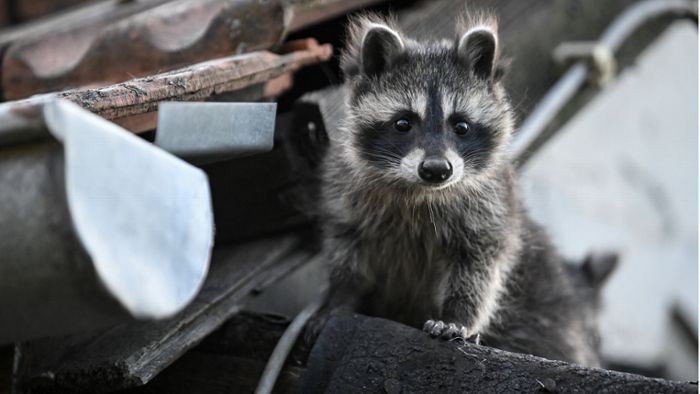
613 167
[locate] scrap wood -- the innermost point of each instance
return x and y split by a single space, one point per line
142 95
131 355
195 82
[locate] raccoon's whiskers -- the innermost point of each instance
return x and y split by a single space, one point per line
432 216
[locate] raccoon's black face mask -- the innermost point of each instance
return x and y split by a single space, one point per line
426 114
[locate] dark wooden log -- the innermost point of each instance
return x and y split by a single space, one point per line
94 50
132 354
358 353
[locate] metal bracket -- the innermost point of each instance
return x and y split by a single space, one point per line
206 132
599 57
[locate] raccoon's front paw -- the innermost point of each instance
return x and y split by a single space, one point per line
438 328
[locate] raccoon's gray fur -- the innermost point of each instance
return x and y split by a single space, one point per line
421 214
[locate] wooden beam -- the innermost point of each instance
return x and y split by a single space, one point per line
142 95
269 89
130 355
195 82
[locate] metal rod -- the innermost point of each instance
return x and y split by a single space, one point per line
548 108
567 86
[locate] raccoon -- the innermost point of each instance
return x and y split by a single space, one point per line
422 222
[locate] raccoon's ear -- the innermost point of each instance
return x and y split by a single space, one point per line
478 49
380 47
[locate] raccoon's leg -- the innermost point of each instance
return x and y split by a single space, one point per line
471 299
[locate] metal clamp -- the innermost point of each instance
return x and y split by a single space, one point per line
599 57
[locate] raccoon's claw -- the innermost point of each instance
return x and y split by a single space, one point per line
438 328
475 339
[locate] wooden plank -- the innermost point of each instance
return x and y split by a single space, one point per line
261 91
131 355
159 38
142 95
193 83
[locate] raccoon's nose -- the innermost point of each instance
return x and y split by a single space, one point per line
435 170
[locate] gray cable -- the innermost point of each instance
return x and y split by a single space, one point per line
284 346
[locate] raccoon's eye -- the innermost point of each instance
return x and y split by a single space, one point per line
402 125
461 128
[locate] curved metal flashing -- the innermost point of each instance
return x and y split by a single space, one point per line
142 215
98 227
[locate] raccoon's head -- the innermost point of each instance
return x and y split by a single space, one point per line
424 115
